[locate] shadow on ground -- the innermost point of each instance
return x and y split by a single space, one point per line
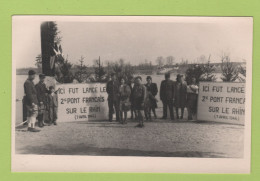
82 149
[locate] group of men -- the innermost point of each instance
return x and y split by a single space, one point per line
39 103
143 97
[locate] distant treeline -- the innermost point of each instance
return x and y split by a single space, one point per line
140 69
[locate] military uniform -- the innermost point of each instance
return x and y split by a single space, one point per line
139 95
112 89
30 97
133 112
52 107
42 99
180 97
167 96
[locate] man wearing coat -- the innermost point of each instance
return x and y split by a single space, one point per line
42 99
167 96
31 102
52 106
112 89
131 84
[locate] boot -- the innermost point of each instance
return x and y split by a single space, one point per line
35 130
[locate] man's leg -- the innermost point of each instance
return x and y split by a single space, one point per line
164 110
149 113
125 117
25 114
154 112
132 111
171 110
189 113
55 116
40 120
111 109
29 126
177 112
116 105
140 118
182 111
32 124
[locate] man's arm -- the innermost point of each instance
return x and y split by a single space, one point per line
155 89
161 90
144 93
108 91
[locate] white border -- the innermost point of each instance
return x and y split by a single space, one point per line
44 163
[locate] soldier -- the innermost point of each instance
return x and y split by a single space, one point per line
139 96
192 98
31 101
131 85
125 105
112 89
152 89
180 95
167 96
42 99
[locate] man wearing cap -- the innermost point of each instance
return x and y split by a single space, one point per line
42 91
31 101
112 89
167 96
180 95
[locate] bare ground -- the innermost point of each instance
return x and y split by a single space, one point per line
157 138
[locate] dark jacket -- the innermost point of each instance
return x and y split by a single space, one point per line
152 91
30 93
131 95
152 88
41 92
52 101
180 94
139 96
112 89
167 90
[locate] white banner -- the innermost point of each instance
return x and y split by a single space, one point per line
82 102
222 102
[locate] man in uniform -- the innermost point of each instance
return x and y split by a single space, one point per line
167 96
31 101
131 84
112 89
42 99
139 96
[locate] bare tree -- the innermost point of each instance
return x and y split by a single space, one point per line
170 60
229 70
160 61
201 59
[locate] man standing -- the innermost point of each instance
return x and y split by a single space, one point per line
180 95
139 96
31 101
131 85
112 89
167 96
153 90
42 99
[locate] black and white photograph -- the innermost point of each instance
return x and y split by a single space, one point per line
131 94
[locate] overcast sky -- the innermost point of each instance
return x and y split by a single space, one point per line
137 41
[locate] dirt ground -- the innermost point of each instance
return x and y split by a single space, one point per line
158 138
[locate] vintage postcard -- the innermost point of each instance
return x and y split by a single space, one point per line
161 94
